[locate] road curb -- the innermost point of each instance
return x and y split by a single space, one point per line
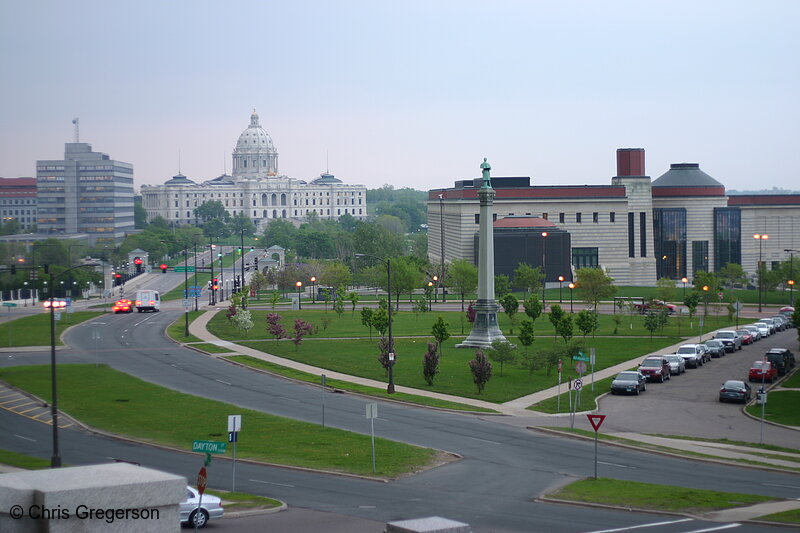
255 512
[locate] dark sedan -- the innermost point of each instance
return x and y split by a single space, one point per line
735 391
629 382
715 348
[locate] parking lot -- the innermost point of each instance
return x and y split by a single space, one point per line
689 404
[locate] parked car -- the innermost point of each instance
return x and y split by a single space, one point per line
122 306
677 365
754 331
655 368
764 329
767 323
776 323
692 354
747 337
779 360
788 313
629 381
730 339
783 320
762 371
715 348
655 305
735 390
210 508
788 356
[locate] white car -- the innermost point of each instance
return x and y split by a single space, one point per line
763 328
211 507
693 354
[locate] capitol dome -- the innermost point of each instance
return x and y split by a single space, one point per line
255 155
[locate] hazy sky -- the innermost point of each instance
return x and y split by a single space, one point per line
408 93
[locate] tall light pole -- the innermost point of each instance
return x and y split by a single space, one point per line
441 242
388 263
213 293
241 285
313 289
436 288
684 280
544 267
790 281
571 287
186 290
761 237
560 286
299 285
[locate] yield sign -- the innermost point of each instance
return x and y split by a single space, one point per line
596 421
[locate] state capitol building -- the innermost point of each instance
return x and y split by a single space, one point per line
256 189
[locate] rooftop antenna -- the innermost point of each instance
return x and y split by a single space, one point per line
327 165
76 132
179 160
224 164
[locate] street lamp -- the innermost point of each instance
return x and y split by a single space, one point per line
571 287
388 263
684 280
212 293
299 286
761 237
560 286
313 289
436 288
544 268
430 289
26 293
790 281
441 242
705 310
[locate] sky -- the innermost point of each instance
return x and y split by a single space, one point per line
412 94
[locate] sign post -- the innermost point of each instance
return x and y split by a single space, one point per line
323 400
202 478
596 421
372 414
234 427
592 356
558 390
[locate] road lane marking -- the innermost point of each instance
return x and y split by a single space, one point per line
223 382
779 485
289 399
653 524
614 464
272 483
726 526
25 438
483 440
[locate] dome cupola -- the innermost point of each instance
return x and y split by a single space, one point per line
255 155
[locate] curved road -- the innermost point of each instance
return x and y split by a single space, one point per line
492 488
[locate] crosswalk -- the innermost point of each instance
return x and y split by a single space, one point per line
21 404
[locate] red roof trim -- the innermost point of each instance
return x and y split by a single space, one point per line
580 191
764 199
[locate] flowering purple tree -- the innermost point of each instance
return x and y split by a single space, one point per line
275 327
301 329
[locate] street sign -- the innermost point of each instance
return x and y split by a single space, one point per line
234 422
372 410
578 384
202 479
183 269
559 366
737 306
580 357
209 446
592 355
233 436
187 304
580 367
596 421
9 304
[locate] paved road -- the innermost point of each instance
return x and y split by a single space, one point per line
503 470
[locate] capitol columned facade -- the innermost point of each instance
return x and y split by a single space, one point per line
256 189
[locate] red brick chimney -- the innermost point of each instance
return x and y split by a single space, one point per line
630 162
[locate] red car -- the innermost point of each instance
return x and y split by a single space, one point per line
655 368
123 306
762 371
747 337
655 305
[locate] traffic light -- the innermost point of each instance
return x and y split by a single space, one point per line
46 269
138 262
256 263
251 248
13 269
214 284
117 280
163 269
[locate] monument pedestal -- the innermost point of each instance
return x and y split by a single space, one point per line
485 329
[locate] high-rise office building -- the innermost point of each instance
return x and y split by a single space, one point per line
85 193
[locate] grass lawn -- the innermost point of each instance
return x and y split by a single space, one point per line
177 329
793 382
588 398
210 348
654 497
34 330
21 460
353 387
128 406
781 408
768 447
786 517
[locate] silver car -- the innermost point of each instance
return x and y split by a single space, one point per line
764 329
692 354
677 365
211 507
730 339
754 331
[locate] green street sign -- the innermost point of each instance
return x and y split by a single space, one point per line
183 269
209 446
581 357
9 304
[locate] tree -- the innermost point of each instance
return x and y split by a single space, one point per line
665 289
440 332
275 327
384 349
587 322
257 282
280 232
239 223
420 306
556 314
243 321
528 278
406 276
338 304
502 286
463 277
481 370
354 298
562 322
301 329
510 307
502 352
216 228
533 307
380 321
594 285
212 209
691 302
732 274
527 334
651 323
430 363
710 281
366 319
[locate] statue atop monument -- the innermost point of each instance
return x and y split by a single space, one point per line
485 168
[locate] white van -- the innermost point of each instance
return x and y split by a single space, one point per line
147 301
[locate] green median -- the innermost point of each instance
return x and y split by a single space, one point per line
34 330
781 408
112 401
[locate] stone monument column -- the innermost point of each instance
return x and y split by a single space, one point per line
485 328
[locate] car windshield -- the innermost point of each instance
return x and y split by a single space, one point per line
713 343
686 350
759 364
743 332
628 376
725 335
672 358
651 363
731 384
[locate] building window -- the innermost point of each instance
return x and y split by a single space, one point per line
544 215
578 218
477 218
631 243
727 236
585 258
595 217
612 217
669 242
561 218
699 256
643 234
